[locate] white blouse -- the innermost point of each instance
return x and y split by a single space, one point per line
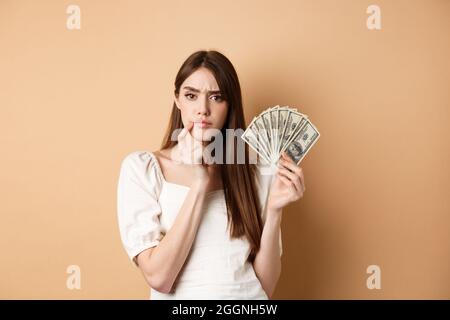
217 266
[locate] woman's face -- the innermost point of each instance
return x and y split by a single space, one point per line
200 101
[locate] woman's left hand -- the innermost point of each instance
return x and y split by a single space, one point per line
288 185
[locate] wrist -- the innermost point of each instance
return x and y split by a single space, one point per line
274 214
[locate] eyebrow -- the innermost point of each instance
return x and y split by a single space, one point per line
196 90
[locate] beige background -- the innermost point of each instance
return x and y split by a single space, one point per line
74 103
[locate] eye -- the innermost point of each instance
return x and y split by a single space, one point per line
217 98
190 96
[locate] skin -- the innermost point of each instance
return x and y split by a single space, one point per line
199 99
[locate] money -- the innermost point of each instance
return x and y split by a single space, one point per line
281 129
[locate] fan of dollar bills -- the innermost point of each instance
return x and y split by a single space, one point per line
279 129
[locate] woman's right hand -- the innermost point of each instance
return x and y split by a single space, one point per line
189 151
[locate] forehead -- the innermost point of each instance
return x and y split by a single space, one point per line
202 79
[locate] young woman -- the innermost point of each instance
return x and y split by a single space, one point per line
202 229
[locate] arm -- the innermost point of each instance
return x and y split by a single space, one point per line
288 187
267 263
160 265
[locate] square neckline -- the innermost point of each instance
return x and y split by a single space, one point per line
155 158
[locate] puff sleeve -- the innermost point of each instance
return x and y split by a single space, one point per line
264 176
137 203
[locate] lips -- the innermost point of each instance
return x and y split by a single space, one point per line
202 124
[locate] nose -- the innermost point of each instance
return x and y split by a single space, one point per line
203 107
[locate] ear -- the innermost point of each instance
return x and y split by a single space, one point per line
177 103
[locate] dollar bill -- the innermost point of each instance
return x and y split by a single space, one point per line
279 129
302 142
253 140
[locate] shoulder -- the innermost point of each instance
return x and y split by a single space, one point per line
142 166
264 175
140 160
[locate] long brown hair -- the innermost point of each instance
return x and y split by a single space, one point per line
238 179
